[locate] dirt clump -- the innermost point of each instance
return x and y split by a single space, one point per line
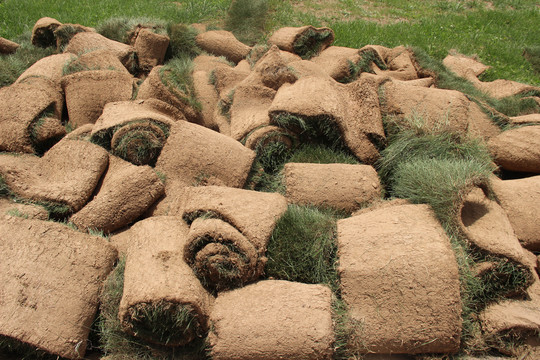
339 186
223 43
163 302
51 278
272 319
399 257
126 192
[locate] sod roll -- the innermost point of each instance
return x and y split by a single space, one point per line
51 67
43 32
272 319
223 43
400 280
249 109
51 277
230 230
305 41
517 149
151 48
7 46
30 116
163 302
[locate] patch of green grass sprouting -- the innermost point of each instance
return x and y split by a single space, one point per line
311 42
121 29
246 19
438 182
321 154
303 246
13 65
177 75
182 41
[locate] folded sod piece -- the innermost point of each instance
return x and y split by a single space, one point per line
208 98
163 302
223 43
520 199
398 62
30 116
469 68
510 322
338 186
249 109
101 59
400 280
305 41
51 277
517 149
323 110
89 41
486 225
436 108
65 176
87 93
126 192
43 32
230 230
51 67
136 130
9 207
151 48
160 85
272 319
271 70
7 46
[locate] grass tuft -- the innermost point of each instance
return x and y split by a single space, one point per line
122 29
363 65
182 41
177 76
532 54
246 19
311 42
321 154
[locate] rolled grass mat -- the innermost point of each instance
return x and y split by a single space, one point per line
304 68
526 119
305 41
66 175
339 62
272 319
157 86
221 257
151 48
320 109
139 142
437 108
102 59
517 149
51 67
163 302
9 207
225 79
338 186
271 70
249 109
65 32
7 46
253 213
51 278
510 320
488 228
195 155
273 146
126 192
209 62
43 32
87 93
223 43
86 41
400 280
463 65
400 64
30 116
520 199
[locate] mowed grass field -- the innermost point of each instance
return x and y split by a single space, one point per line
499 32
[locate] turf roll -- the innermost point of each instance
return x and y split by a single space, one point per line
223 43
305 41
163 302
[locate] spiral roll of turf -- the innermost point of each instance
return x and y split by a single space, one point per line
221 257
139 142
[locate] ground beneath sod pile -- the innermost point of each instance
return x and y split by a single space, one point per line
292 200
